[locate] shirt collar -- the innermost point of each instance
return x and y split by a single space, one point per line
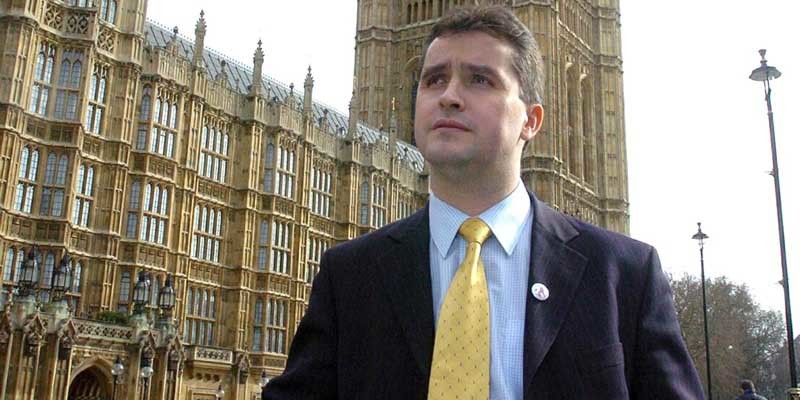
506 220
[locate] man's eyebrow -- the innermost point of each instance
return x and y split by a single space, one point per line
434 69
481 69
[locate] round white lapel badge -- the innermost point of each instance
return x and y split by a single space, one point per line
540 291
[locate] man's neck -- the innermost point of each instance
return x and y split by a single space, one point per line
472 198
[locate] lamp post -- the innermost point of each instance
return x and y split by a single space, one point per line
166 302
29 274
220 393
166 297
765 73
146 371
116 370
700 236
62 278
141 293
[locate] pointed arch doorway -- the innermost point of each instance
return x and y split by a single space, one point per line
90 384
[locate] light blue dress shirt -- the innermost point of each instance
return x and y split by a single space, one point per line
505 256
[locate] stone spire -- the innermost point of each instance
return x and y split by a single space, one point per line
199 41
352 117
258 62
309 88
393 131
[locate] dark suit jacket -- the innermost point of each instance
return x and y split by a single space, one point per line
608 330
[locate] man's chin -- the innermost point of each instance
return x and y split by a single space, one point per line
449 160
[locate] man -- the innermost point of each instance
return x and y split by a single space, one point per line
543 306
749 391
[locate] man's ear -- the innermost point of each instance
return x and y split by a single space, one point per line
535 114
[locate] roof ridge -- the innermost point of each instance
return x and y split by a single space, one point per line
377 133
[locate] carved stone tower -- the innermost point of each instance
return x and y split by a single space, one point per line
577 163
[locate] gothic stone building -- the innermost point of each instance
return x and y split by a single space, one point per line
188 198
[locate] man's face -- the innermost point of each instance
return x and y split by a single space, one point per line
469 112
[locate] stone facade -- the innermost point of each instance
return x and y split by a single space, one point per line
139 153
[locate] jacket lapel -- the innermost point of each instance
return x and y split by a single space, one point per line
560 269
405 269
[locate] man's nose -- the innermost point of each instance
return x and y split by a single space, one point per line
451 97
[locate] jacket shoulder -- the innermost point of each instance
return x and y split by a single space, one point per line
375 242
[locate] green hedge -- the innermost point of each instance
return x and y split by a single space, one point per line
113 317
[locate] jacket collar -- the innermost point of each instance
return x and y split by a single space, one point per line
560 268
406 277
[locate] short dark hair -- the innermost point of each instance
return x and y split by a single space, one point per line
747 384
499 22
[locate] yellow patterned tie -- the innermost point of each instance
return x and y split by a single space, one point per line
460 368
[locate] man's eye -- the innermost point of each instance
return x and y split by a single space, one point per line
435 80
480 79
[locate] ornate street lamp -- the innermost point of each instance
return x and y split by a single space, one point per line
62 278
765 73
700 236
220 392
146 369
141 293
117 370
166 297
29 274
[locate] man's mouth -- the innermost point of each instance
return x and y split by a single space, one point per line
447 123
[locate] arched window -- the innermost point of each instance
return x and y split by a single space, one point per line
75 78
147 189
66 68
58 203
173 115
34 167
197 302
213 306
258 324
112 11
364 199
206 304
164 113
189 301
125 287
8 266
18 268
29 163
135 192
89 182
269 160
23 162
76 279
47 276
61 175
50 170
144 110
164 197
79 182
156 197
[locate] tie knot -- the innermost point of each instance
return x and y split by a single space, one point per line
474 230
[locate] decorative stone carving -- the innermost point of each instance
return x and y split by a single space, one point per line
99 330
107 39
243 366
53 16
199 353
65 347
78 23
